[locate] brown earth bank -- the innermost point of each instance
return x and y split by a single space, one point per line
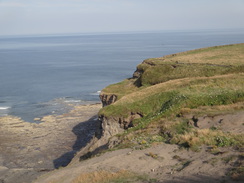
27 150
162 163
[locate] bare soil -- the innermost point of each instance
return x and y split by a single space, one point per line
164 163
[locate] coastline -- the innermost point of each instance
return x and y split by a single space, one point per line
27 150
177 120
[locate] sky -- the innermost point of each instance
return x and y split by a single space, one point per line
24 17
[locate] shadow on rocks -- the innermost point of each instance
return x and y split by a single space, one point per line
84 132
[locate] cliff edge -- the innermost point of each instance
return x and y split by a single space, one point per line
180 118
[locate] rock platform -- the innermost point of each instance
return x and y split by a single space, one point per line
27 150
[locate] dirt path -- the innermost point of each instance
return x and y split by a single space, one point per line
28 150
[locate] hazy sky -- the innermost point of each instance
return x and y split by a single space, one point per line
82 16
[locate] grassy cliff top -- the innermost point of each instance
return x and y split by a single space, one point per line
163 91
205 62
220 55
194 99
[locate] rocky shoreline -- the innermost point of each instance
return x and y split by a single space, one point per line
27 150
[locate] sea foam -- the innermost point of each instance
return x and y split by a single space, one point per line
96 93
4 108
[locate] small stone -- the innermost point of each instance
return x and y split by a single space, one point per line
37 119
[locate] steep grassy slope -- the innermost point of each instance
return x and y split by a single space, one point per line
163 91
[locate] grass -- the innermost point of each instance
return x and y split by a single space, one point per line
208 80
166 72
139 140
171 96
122 88
217 138
213 110
220 55
202 62
195 63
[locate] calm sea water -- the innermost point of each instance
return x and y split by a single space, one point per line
40 75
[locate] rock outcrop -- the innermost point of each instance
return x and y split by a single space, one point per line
107 99
105 136
112 125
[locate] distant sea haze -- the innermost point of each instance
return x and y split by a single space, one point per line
40 75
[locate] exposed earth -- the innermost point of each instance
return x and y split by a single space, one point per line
164 163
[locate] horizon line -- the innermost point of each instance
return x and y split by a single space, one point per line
116 32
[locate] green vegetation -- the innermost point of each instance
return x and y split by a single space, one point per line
217 138
169 71
204 81
167 98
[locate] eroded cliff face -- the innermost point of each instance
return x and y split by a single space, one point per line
137 74
114 125
107 99
110 125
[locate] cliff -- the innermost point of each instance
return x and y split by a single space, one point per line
179 115
162 87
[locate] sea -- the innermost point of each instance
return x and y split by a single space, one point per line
47 74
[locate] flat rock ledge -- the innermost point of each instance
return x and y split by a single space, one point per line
27 150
